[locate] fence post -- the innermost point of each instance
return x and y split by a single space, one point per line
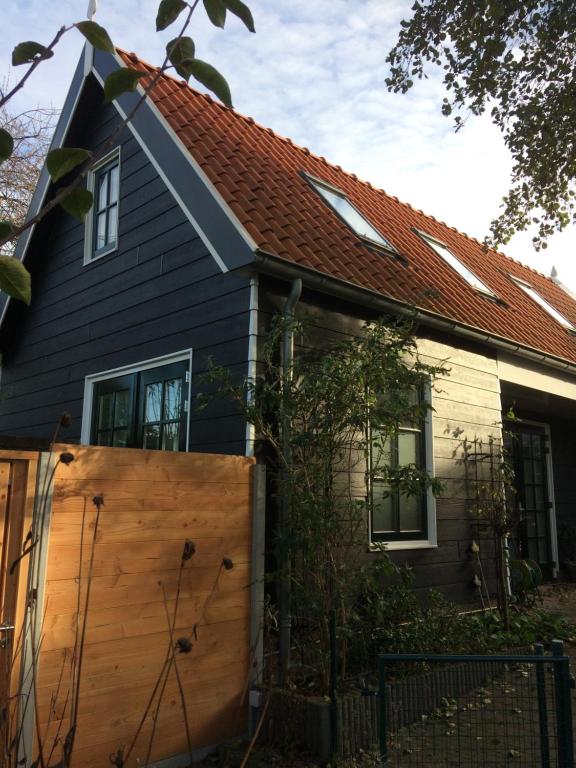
334 729
542 709
382 701
563 706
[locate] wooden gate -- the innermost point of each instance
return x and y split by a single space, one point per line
17 490
139 604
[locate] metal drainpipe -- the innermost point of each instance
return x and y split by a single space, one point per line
285 620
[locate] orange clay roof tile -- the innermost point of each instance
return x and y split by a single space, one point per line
259 175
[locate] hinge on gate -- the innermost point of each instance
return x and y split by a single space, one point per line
187 377
185 406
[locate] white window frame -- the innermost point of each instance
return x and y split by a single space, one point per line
431 542
94 378
438 247
530 291
89 255
319 184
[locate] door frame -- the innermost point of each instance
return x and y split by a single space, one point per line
550 485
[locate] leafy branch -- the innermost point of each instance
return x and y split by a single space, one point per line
63 161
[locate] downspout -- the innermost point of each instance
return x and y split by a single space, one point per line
285 619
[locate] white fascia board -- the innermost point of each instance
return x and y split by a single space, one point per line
224 236
58 140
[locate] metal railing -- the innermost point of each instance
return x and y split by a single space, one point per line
476 710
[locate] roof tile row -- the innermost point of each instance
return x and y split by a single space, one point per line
259 175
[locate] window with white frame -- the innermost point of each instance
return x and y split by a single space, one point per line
397 517
541 301
446 254
102 221
141 408
358 223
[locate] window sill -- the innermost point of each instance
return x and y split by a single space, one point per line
391 546
103 254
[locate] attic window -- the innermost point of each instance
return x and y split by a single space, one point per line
338 201
535 296
453 261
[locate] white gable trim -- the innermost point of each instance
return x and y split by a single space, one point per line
187 155
159 170
59 138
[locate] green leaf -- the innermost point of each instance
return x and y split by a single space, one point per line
59 162
240 9
168 12
96 35
15 279
5 229
6 145
212 79
121 81
25 53
78 203
181 51
216 11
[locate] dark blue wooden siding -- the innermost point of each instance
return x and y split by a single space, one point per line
161 292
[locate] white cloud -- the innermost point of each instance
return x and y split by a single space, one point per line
315 72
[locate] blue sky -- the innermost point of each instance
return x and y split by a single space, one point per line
315 72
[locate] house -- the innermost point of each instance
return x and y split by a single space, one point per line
203 221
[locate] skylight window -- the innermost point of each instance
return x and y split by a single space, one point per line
535 296
457 265
337 200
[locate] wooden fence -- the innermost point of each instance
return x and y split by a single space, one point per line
128 555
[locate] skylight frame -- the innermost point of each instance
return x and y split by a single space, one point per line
326 190
463 271
555 314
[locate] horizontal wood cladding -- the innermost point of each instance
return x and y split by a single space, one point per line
160 292
467 405
153 503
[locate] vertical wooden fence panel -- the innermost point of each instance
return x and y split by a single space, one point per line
129 559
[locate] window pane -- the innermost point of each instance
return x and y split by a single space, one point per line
381 452
104 438
408 448
171 436
172 395
121 408
120 438
102 190
351 216
105 411
114 184
100 231
112 224
152 436
410 516
458 266
153 407
382 509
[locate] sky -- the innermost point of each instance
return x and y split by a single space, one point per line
315 72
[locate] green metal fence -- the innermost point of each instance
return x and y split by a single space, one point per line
506 710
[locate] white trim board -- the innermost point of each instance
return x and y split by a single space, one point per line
150 155
155 362
252 355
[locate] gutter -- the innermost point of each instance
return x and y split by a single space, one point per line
281 268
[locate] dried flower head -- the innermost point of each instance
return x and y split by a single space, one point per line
98 500
189 550
65 420
183 645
